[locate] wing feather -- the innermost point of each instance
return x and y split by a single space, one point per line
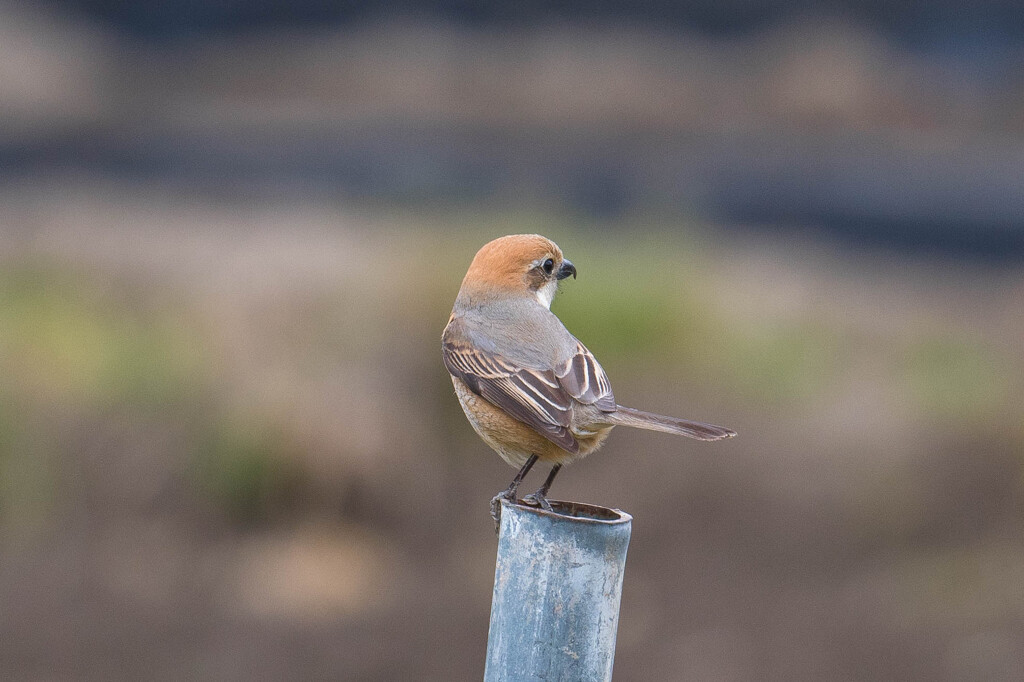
534 397
585 380
541 398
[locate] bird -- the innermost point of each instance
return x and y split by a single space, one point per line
530 389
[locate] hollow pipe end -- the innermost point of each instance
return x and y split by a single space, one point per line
574 511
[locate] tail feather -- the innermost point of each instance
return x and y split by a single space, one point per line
627 416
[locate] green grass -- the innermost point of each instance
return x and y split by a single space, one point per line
64 336
955 376
72 351
243 467
71 344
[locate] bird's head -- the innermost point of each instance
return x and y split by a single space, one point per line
518 265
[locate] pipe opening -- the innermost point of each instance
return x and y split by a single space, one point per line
578 511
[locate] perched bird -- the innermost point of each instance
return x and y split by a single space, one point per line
530 389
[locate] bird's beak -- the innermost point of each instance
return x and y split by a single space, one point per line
567 269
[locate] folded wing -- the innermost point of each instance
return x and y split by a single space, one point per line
541 398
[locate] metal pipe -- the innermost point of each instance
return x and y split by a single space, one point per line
557 588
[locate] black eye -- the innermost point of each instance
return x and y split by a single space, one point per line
549 265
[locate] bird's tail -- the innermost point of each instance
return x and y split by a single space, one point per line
627 416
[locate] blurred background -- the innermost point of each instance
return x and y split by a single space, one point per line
230 236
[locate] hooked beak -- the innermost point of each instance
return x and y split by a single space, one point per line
567 269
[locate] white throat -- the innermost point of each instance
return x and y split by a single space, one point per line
546 294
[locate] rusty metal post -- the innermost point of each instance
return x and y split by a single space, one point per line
557 587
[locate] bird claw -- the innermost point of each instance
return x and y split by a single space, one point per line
496 507
537 499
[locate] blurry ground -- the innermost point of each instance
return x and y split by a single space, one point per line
229 449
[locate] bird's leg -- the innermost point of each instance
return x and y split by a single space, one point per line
510 493
540 498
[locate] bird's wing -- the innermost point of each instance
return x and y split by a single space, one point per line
541 398
584 379
534 397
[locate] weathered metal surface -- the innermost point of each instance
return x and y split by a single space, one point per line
557 587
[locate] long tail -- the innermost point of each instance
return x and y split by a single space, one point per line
627 416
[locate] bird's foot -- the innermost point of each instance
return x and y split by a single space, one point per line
509 495
537 499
